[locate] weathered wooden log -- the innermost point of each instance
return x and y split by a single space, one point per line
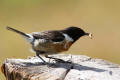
81 68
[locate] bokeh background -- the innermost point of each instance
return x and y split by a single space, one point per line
100 17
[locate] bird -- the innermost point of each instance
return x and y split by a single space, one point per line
52 41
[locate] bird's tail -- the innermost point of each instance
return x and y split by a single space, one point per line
17 31
28 37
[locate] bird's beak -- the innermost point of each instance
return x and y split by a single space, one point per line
89 34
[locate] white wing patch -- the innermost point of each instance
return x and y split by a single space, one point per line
39 41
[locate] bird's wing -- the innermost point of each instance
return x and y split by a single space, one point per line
52 36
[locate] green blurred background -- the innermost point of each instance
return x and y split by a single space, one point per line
100 17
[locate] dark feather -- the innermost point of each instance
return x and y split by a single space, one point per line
54 36
17 31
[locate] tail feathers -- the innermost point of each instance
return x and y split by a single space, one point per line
27 37
17 31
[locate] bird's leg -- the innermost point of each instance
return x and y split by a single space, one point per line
56 59
40 58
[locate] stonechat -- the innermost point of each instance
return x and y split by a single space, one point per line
52 41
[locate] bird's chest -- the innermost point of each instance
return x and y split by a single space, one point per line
62 47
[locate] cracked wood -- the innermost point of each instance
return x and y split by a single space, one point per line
81 68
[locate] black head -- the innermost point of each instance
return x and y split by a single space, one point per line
75 33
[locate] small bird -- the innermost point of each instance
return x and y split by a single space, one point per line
52 41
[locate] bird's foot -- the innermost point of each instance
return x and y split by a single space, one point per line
62 61
59 60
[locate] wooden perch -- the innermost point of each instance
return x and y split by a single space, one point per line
81 68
